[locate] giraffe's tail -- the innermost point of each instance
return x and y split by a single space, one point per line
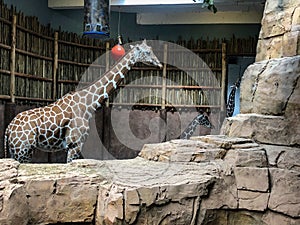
6 144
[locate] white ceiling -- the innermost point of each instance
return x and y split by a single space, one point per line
222 5
150 6
183 12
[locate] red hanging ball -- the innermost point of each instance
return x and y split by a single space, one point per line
117 52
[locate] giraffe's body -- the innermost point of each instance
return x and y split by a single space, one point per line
64 124
231 99
198 120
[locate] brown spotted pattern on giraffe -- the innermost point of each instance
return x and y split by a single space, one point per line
65 123
198 120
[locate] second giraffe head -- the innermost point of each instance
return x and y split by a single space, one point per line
144 53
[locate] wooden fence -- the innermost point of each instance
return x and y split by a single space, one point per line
39 65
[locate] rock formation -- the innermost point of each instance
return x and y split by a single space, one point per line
279 34
208 180
270 88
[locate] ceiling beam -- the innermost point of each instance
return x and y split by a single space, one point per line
228 17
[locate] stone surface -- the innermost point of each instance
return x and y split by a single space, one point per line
267 86
285 194
266 129
223 195
70 193
247 157
164 187
253 179
283 157
240 217
270 88
250 200
271 218
279 35
198 149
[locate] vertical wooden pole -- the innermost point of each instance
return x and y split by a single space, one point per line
55 66
54 83
107 65
223 84
163 111
13 59
164 78
106 110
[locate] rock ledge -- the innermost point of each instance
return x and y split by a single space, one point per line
211 179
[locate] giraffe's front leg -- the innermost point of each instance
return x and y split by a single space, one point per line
75 138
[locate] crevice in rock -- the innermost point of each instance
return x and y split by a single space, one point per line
273 36
282 214
141 207
278 156
95 206
54 187
162 221
270 187
196 210
123 206
277 144
292 92
254 87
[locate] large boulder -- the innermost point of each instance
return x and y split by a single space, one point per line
269 87
270 103
275 130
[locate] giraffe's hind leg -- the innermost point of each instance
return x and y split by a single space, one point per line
74 153
23 155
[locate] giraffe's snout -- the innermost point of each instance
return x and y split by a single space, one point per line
156 62
160 65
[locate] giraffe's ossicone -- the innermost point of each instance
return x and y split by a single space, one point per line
64 124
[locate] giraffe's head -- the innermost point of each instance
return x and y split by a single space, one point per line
204 121
143 53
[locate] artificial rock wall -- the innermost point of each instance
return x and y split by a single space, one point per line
279 34
210 180
270 88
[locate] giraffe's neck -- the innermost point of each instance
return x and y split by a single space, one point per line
198 120
231 102
188 132
96 93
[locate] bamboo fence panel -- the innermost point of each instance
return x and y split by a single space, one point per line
48 64
5 49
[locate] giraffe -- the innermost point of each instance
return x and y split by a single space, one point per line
64 124
231 99
198 120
